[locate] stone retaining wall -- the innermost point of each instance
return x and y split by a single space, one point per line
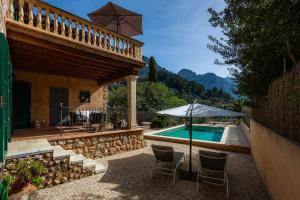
99 145
57 171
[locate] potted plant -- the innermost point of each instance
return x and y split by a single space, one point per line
28 177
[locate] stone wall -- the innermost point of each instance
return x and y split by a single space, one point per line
100 144
58 170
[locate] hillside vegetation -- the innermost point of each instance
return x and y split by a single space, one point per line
166 90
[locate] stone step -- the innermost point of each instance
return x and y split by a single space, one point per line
59 152
75 158
89 163
99 168
25 148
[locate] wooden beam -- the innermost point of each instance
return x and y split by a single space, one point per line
14 45
116 77
53 62
58 70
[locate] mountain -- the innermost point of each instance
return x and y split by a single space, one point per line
208 80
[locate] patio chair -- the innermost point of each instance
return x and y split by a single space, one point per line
167 160
212 169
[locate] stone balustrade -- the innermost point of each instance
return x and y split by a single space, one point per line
49 19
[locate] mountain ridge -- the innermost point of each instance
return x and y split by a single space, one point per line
208 80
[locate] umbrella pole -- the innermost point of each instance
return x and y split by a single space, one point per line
191 132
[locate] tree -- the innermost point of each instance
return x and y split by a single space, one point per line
259 37
150 97
152 70
156 96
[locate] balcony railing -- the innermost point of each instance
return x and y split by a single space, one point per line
91 119
49 19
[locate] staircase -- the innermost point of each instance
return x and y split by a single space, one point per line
62 165
87 163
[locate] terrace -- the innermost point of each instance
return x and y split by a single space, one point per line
128 177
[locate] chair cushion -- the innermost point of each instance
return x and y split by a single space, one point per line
212 160
163 153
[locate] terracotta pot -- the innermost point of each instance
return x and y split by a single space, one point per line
24 193
17 187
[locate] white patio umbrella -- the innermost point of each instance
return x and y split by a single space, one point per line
197 110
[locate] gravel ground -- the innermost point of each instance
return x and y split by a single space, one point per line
127 177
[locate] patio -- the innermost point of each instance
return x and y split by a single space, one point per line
127 177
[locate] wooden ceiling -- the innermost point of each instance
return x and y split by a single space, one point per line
38 52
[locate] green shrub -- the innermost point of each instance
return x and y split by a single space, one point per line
8 178
37 181
29 172
160 121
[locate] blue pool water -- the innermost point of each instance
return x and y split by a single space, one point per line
207 133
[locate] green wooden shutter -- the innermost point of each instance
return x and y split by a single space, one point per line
5 96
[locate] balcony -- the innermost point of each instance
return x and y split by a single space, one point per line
47 39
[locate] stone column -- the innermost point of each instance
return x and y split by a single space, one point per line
131 98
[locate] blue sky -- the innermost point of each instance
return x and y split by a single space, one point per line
175 31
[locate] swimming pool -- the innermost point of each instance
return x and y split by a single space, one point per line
207 133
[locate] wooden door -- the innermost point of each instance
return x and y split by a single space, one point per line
57 96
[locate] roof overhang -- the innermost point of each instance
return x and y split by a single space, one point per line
37 51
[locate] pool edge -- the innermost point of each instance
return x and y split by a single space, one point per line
200 143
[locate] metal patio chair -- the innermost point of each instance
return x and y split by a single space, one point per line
167 160
212 169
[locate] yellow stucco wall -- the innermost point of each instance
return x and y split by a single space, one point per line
40 95
278 162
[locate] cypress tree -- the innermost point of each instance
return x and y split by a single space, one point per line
152 70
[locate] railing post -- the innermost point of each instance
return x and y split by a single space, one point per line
21 11
11 9
47 20
30 16
61 118
39 17
82 33
63 26
70 30
88 35
140 53
77 31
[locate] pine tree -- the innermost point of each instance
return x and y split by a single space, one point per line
152 70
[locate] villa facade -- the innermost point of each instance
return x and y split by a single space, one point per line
55 58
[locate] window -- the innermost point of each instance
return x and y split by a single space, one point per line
85 96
